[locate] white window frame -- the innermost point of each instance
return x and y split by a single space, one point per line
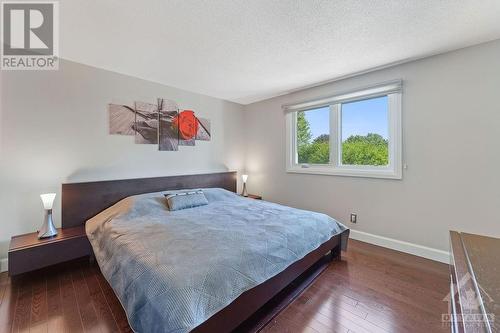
393 90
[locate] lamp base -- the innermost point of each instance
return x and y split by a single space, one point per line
244 192
47 229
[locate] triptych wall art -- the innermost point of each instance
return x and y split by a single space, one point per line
162 124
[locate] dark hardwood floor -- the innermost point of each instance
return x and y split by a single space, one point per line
371 290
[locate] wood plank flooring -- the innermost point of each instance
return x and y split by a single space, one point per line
371 289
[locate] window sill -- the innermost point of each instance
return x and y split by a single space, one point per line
364 173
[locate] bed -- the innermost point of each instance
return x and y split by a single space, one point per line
200 269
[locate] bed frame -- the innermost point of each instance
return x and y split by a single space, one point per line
82 201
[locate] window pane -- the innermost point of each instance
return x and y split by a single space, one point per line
365 128
313 136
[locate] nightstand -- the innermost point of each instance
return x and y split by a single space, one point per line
253 196
28 253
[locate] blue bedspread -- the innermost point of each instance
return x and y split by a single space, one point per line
174 270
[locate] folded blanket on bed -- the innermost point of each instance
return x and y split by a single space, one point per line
172 270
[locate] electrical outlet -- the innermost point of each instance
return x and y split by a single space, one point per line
354 218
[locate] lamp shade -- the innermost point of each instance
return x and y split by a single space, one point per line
48 200
244 178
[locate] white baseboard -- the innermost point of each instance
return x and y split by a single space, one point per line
4 265
394 244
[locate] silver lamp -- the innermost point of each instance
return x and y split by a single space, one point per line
47 229
244 192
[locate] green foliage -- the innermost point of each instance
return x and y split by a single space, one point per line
303 130
370 138
371 149
323 138
314 153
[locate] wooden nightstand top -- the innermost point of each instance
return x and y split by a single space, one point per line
254 196
28 253
31 240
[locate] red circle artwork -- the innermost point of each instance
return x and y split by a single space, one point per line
187 124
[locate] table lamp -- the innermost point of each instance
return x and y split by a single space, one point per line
244 192
47 229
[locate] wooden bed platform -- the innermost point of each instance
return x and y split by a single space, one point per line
81 201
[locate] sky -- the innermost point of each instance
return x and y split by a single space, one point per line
358 118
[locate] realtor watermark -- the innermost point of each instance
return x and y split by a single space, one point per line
471 304
30 35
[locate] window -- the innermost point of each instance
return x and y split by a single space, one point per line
365 136
353 134
313 136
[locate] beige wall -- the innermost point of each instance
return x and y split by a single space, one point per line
54 129
451 126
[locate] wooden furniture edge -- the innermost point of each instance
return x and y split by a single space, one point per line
50 240
41 253
463 280
254 196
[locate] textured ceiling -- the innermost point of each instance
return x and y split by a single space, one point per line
246 51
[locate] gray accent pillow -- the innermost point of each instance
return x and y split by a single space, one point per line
178 200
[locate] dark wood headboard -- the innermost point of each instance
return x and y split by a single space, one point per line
82 201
